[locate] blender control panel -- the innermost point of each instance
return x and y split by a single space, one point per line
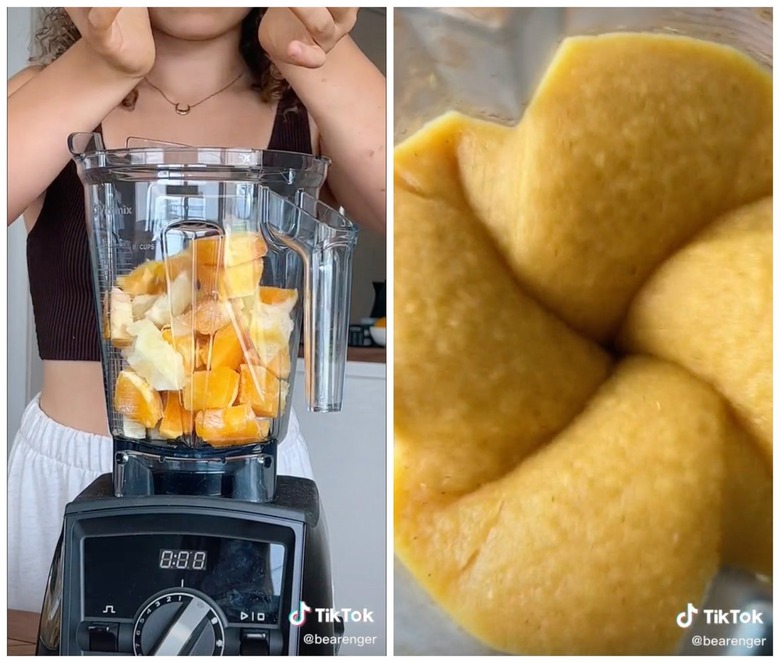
182 594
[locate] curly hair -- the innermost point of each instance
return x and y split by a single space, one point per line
57 34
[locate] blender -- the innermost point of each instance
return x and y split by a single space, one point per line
207 265
486 62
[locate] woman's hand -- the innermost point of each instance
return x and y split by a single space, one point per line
344 95
304 36
122 36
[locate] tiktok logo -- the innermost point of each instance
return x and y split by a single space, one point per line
298 617
685 618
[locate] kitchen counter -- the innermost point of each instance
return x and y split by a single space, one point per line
22 633
371 355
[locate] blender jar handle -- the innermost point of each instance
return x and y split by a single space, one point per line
325 240
327 293
83 143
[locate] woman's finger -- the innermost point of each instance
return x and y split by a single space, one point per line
93 22
306 55
79 17
344 18
102 18
320 25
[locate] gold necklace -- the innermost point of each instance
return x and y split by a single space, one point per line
184 109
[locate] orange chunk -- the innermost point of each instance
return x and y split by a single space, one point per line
231 282
211 315
120 316
182 324
179 263
225 350
146 279
262 390
230 426
211 390
280 364
229 250
176 421
136 399
201 350
270 328
184 344
283 297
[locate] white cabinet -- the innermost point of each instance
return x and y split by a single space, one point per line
348 455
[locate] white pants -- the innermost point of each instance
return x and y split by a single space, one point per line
49 465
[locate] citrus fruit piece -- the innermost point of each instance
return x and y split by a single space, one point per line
184 345
209 390
270 328
262 390
133 429
279 365
173 303
231 282
136 399
211 315
148 278
224 350
230 249
181 262
142 303
284 298
176 421
120 316
230 426
153 358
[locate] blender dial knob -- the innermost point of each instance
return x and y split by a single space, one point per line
179 623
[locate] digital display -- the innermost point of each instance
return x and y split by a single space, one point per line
244 577
183 560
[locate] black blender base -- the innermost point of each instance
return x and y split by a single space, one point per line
131 573
298 496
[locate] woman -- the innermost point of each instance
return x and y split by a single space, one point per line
289 79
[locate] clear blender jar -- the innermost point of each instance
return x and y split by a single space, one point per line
207 264
486 62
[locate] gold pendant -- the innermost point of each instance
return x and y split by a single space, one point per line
182 109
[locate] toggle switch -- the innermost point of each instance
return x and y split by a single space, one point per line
103 637
255 643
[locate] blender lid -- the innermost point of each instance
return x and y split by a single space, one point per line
150 154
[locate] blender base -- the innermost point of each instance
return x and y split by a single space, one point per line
190 575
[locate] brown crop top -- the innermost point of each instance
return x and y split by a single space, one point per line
58 261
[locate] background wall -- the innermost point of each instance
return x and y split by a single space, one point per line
371 253
24 365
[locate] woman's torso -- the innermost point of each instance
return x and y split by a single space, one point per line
58 255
